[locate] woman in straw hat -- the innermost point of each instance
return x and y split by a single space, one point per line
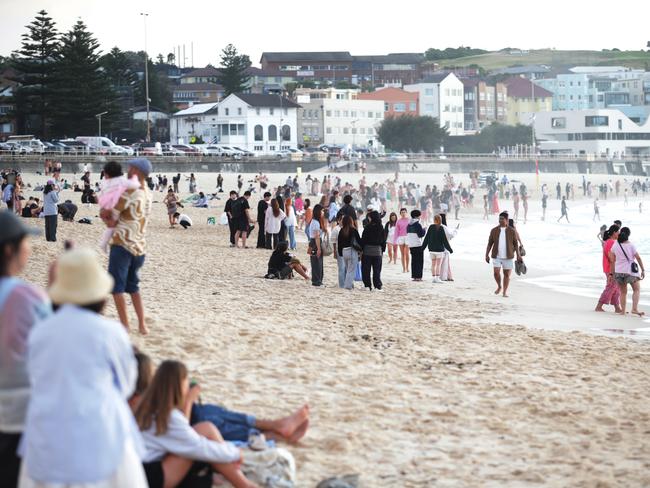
21 306
79 430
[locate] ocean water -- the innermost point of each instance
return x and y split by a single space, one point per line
568 255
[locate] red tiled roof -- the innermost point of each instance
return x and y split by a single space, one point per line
519 87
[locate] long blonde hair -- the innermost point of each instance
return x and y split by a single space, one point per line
164 394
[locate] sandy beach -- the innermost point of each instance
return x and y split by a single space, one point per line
418 386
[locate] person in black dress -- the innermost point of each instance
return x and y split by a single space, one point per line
262 205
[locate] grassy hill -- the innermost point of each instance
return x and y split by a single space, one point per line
551 57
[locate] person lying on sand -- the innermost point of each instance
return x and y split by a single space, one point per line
233 426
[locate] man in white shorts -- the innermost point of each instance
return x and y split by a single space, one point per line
502 247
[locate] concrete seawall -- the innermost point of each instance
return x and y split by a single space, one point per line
455 165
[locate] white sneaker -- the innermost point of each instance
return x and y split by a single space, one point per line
368 288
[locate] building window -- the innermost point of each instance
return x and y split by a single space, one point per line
271 111
386 107
337 113
378 115
233 129
271 148
273 133
399 107
346 113
258 148
241 130
558 122
328 130
428 107
286 133
413 106
596 121
238 110
346 130
227 111
620 124
328 113
428 92
257 111
370 115
354 130
259 133
370 131
362 130
286 111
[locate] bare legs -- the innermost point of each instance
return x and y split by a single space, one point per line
636 294
506 280
120 305
404 253
435 268
300 269
291 428
241 234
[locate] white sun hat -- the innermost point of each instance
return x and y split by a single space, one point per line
80 279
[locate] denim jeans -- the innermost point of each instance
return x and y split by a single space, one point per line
233 426
341 269
292 236
350 260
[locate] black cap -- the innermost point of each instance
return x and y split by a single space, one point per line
12 228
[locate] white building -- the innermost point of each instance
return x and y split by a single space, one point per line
598 132
336 117
442 97
250 121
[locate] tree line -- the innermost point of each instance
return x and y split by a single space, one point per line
64 80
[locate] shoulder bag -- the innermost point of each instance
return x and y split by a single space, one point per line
634 267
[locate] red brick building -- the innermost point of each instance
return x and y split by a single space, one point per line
397 102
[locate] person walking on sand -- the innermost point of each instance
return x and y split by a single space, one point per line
128 244
400 237
563 210
628 270
502 247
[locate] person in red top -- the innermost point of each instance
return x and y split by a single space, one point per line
612 293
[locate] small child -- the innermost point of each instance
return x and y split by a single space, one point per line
114 185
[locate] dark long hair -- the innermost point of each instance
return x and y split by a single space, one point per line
8 250
390 222
48 188
624 235
613 229
164 394
275 208
347 224
317 212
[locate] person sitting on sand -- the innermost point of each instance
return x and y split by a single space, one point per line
173 448
282 264
233 426
183 220
202 202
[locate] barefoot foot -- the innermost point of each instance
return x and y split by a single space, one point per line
497 291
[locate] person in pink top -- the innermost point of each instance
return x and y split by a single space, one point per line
612 293
113 186
400 238
628 270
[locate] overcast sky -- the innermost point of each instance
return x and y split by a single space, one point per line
336 25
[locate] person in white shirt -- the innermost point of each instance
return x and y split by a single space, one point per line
183 220
172 446
79 430
273 223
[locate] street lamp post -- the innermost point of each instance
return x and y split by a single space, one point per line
146 75
99 118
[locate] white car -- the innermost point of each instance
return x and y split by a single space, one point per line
213 151
127 150
231 152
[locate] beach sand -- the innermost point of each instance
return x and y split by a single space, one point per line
419 386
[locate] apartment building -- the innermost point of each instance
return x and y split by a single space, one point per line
597 132
525 99
338 117
397 102
442 96
484 104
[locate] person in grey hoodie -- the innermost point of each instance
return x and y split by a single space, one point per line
50 210
414 234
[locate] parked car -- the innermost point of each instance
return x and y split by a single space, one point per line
51 148
396 156
72 146
148 148
214 151
230 152
35 145
100 145
16 148
127 150
170 150
187 149
4 148
245 153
